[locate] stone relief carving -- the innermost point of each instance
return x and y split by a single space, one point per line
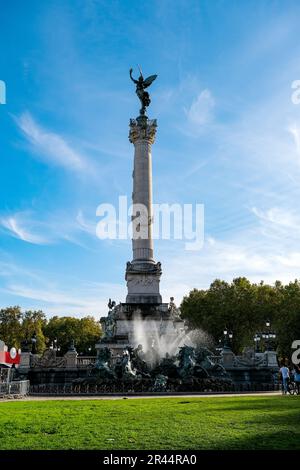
48 359
141 281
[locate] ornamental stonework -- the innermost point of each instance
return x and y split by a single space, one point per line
142 130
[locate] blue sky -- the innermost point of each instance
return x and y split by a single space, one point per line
228 137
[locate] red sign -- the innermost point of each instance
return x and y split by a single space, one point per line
10 357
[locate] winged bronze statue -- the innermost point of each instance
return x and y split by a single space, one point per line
141 84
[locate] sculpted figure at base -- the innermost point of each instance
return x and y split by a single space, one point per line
160 384
128 372
103 364
108 323
203 359
137 357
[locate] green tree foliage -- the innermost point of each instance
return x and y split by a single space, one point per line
34 322
84 331
244 307
10 326
287 317
17 326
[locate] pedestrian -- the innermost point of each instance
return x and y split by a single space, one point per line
297 378
285 376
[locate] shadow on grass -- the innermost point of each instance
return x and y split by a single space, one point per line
280 440
276 424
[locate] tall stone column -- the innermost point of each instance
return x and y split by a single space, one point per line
142 273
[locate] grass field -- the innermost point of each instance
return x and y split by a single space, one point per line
271 422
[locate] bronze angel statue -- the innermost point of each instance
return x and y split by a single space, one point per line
141 84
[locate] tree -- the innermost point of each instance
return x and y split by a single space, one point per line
33 322
222 305
244 307
91 332
10 326
85 332
287 317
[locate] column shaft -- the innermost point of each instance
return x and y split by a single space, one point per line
142 194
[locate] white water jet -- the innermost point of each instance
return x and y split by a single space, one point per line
159 338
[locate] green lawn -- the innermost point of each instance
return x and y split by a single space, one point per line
271 422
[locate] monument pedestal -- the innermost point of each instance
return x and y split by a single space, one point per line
143 283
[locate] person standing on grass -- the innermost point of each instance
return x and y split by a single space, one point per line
285 375
297 378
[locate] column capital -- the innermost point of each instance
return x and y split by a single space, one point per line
141 129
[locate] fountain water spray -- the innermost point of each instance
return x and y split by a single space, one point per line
159 339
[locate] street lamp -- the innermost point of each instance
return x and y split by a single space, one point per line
256 342
268 335
272 336
219 348
33 342
227 335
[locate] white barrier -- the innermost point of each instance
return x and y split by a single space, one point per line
15 388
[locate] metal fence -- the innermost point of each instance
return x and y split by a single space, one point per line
15 388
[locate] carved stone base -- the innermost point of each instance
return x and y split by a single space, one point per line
143 282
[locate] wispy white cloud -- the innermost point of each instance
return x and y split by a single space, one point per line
281 227
19 226
52 147
10 270
291 261
85 225
32 289
278 216
188 106
49 228
246 255
294 129
200 112
89 299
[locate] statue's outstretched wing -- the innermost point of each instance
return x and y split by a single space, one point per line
149 80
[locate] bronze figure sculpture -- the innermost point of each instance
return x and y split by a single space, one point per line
143 95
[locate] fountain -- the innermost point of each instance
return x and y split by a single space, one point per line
137 371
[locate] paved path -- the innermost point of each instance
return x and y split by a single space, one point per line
134 397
